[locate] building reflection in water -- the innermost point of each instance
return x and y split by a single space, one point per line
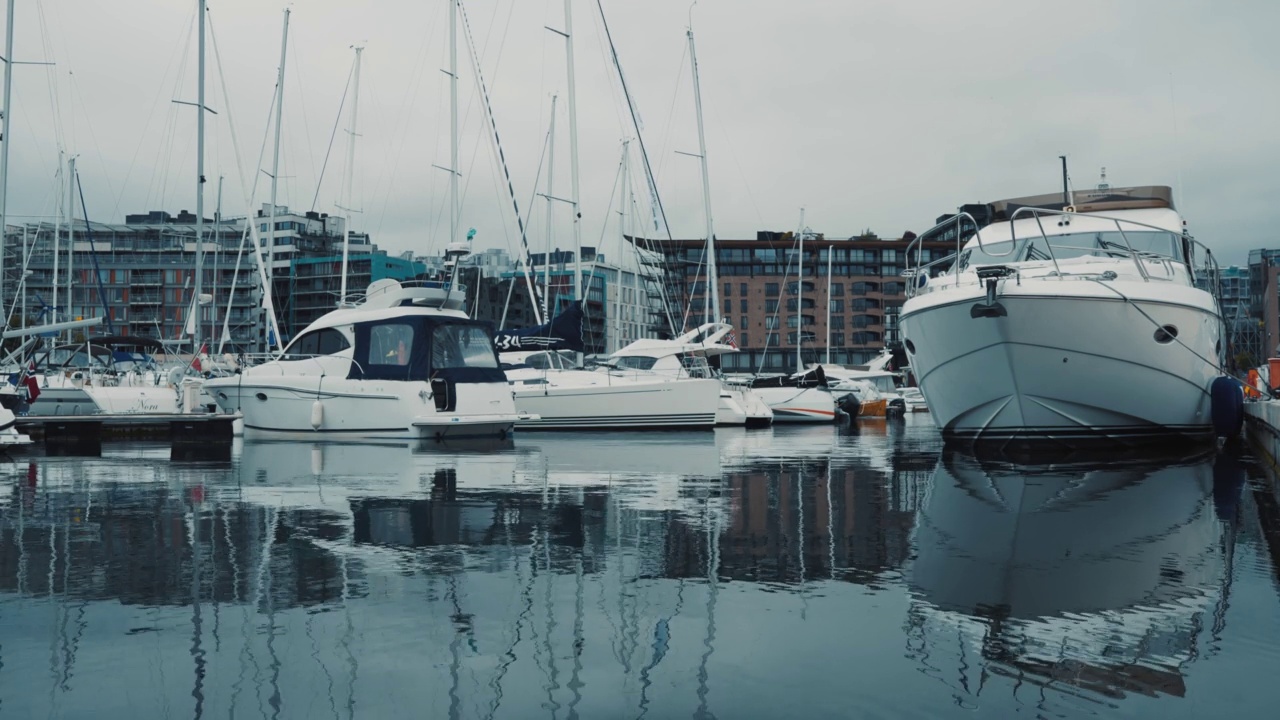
1093 578
588 579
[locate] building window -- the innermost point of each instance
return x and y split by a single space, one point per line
771 306
728 289
742 290
805 337
837 305
743 341
837 289
894 288
743 305
837 322
837 339
793 287
771 290
862 288
699 288
771 339
771 322
728 304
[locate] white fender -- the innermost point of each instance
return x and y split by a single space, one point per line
317 415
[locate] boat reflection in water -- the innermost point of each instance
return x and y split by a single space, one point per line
1084 575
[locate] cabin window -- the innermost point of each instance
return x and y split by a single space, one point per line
390 344
636 362
459 346
318 342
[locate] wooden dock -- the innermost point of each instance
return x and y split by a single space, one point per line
88 431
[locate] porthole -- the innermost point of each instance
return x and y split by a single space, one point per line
911 347
1165 334
261 396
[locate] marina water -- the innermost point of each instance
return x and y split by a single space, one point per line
813 572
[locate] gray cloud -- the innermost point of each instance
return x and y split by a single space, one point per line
869 114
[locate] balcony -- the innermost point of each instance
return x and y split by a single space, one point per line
146 279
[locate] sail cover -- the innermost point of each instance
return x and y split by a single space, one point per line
564 332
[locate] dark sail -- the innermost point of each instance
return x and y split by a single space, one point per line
562 333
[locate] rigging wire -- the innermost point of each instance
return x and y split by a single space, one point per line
666 301
337 120
302 100
501 157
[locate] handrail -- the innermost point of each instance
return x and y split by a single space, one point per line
1036 214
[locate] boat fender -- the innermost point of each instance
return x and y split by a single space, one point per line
175 376
317 415
1226 406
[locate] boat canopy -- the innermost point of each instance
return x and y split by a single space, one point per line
421 348
1086 201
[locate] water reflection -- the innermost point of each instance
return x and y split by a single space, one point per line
725 574
1087 575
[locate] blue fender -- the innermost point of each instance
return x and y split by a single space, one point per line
1226 406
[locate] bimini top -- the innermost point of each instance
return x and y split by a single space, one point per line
1087 201
388 298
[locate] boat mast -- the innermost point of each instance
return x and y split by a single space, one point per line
622 232
196 308
275 165
712 311
57 231
551 169
4 148
573 155
800 297
453 125
217 243
830 252
71 238
351 159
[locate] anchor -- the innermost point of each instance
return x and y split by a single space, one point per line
991 275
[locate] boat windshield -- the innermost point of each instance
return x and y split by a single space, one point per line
635 362
1092 244
459 346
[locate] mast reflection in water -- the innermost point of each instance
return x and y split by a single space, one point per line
795 571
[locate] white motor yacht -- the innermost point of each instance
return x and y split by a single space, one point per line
560 396
9 435
406 363
688 356
800 398
1065 324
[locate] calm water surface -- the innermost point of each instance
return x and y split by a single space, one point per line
794 572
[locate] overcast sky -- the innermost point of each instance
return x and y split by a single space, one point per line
875 114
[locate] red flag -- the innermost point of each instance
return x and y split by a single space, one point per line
731 340
195 363
33 388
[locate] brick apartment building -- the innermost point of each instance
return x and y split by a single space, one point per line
773 308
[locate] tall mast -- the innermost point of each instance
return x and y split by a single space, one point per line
4 149
831 251
622 232
800 298
453 124
573 151
71 239
275 163
217 244
351 159
57 231
712 311
195 306
551 191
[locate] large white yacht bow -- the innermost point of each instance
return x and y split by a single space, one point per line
1062 319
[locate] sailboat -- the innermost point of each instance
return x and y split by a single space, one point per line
563 395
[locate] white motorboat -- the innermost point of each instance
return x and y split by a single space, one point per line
688 356
1065 324
800 398
406 363
559 396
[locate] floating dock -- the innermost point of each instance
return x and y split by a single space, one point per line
177 428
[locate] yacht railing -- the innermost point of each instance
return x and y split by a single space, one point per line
913 286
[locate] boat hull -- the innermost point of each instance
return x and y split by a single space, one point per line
1066 368
798 405
284 407
658 405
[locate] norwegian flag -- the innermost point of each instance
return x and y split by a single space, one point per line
731 340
